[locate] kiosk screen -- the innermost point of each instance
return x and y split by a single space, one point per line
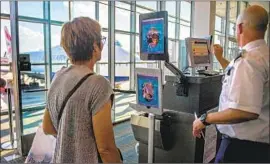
148 90
153 36
200 52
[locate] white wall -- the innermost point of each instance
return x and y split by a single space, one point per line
204 18
201 19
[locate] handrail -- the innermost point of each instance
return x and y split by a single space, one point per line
4 64
35 90
115 90
124 91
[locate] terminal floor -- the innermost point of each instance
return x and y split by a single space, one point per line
124 139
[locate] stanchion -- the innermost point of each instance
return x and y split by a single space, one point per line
151 130
10 144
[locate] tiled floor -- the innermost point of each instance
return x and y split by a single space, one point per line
124 139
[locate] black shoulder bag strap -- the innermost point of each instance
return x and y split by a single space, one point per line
69 95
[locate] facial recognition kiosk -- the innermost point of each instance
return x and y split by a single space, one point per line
163 124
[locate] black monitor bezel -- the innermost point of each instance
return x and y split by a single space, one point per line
146 56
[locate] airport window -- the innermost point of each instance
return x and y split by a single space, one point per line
218 23
4 23
171 8
172 42
185 11
58 55
5 57
141 10
185 28
171 30
30 33
59 10
220 28
55 35
122 48
152 5
225 28
221 23
103 14
33 84
122 77
233 11
122 17
5 7
122 5
172 49
122 61
33 28
33 110
102 65
232 46
83 8
31 9
185 32
243 5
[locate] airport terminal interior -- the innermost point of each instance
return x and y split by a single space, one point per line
31 32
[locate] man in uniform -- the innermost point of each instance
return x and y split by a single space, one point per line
243 116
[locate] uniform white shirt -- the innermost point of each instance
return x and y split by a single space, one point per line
247 89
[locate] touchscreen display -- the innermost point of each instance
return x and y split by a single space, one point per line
200 52
148 90
153 36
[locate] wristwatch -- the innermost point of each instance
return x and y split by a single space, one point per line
203 119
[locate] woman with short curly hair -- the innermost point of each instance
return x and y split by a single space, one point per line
85 130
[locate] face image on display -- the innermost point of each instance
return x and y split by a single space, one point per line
148 90
153 36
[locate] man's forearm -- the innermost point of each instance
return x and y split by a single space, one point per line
230 116
223 62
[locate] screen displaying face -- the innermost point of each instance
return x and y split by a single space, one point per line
200 52
148 91
153 36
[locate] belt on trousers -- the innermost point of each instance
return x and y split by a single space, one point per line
224 136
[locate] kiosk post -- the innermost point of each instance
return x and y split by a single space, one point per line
151 130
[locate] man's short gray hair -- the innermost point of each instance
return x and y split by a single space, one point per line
255 17
78 37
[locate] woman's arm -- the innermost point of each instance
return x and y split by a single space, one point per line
47 124
103 131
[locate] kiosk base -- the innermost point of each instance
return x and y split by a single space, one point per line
173 139
182 146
